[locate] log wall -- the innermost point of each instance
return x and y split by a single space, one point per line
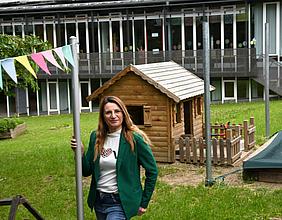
133 90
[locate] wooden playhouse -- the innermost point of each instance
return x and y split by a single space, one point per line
164 99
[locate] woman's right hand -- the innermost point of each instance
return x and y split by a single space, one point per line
74 145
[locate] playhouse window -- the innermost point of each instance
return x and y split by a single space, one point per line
140 115
178 113
199 106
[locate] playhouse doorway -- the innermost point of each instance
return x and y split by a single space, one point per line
188 122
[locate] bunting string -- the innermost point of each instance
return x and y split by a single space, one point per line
64 53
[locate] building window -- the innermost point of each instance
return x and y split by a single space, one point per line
215 32
18 30
8 30
229 89
243 88
241 23
154 35
228 31
39 31
139 35
127 35
82 37
93 36
272 17
189 33
199 33
50 34
116 36
84 92
70 30
174 34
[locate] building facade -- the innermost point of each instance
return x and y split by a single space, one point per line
114 34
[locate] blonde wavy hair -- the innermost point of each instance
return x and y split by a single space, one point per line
128 127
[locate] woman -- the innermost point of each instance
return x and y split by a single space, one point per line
115 152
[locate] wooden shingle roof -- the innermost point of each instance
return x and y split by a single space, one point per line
169 77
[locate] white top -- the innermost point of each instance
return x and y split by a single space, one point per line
108 178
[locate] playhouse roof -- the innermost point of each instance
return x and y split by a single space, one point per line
169 77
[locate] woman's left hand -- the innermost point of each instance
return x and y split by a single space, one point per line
141 211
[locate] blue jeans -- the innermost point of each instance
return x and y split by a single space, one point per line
108 207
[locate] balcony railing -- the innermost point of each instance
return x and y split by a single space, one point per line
228 62
275 77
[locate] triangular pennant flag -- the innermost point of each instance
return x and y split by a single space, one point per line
24 61
49 56
9 67
68 54
40 61
59 52
1 81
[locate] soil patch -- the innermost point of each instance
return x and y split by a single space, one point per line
193 175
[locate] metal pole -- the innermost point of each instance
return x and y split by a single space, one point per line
266 88
76 127
206 62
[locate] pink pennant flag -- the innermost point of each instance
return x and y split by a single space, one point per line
59 52
40 61
49 56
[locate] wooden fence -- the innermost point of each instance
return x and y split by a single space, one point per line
225 144
223 151
249 134
247 131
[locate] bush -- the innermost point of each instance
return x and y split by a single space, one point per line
9 123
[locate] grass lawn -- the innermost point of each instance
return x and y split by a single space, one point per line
40 166
237 113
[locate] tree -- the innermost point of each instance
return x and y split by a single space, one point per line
13 46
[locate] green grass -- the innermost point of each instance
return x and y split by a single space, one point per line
218 202
237 113
40 166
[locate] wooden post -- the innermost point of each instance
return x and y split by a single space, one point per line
214 149
252 121
229 134
194 148
222 131
237 130
201 146
221 150
228 145
188 150
251 133
246 136
215 129
181 150
228 151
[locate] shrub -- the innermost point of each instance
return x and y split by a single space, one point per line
9 123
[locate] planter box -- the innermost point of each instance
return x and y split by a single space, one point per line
13 132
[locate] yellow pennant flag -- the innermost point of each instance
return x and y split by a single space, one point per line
24 61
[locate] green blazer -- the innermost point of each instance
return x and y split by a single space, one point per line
130 190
